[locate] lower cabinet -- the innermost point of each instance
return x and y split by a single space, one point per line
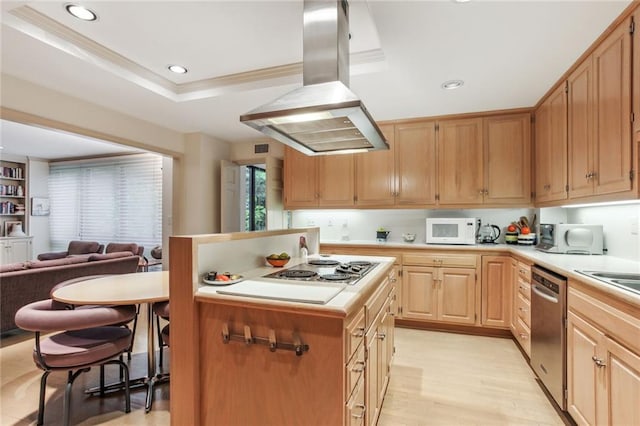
603 374
521 304
439 294
496 291
14 250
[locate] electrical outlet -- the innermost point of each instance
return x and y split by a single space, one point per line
330 222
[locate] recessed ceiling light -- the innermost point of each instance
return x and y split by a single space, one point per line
452 84
462 1
178 69
81 12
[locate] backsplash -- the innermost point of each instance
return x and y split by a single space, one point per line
341 225
620 223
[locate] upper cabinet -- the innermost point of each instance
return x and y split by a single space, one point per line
460 178
592 112
318 181
404 175
551 148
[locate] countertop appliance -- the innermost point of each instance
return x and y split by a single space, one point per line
548 331
488 234
570 238
451 230
325 271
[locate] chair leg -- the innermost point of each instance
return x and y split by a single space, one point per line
160 357
67 395
43 387
101 381
127 389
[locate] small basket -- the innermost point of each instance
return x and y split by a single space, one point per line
526 239
278 263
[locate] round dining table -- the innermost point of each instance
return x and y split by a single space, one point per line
124 289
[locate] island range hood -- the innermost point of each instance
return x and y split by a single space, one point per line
323 116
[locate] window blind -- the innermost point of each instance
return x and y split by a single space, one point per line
117 199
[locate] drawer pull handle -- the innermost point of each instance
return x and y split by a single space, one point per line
381 336
522 309
359 332
361 415
523 336
358 367
599 363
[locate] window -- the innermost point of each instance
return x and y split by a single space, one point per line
255 201
116 199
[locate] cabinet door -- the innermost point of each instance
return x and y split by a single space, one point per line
460 162
371 375
507 159
513 277
300 179
496 291
623 385
336 175
415 156
580 140
551 147
612 102
456 296
375 174
583 377
419 299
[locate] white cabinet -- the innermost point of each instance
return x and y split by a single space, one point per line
14 250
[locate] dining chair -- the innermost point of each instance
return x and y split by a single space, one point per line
161 310
61 305
86 339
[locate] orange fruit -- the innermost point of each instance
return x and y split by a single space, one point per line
525 230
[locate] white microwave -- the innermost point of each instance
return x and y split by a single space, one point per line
451 231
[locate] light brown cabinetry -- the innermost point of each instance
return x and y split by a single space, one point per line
402 176
446 292
460 175
507 159
521 304
496 291
551 148
603 360
600 119
318 181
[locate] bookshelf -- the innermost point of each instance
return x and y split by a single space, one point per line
13 196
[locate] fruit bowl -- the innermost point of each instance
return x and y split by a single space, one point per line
277 262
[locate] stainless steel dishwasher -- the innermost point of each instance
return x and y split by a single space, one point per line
548 331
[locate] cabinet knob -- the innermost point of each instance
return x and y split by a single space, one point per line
381 336
599 363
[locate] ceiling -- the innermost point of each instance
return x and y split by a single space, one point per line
242 54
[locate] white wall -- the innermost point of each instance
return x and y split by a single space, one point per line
362 224
39 187
620 227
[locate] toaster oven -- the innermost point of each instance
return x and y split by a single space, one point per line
570 238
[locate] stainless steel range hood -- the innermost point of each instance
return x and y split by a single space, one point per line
323 116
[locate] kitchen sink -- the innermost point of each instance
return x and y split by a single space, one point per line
627 281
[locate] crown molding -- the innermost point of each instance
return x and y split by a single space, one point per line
49 31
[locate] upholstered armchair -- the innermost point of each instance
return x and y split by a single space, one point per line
75 248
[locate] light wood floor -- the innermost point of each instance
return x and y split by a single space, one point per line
437 379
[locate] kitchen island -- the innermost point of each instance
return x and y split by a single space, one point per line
275 357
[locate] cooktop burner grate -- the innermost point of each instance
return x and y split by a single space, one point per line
335 277
359 263
297 273
323 262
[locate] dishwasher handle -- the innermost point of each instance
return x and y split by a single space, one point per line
545 294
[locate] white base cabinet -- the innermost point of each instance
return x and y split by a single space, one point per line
15 249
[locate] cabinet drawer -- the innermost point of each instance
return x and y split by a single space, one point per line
354 334
355 370
376 302
524 288
524 271
523 336
355 407
455 260
523 309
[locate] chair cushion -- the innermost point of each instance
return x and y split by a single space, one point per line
55 262
161 309
78 348
107 256
82 247
165 335
10 267
114 247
